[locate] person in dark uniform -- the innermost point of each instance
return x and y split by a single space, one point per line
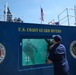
57 55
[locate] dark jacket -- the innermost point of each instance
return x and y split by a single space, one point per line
58 56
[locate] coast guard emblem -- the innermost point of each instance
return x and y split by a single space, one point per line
2 53
73 49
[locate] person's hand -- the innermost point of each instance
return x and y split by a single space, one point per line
51 46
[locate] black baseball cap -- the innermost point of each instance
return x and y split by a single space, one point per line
57 38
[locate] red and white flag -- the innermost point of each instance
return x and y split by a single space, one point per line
42 14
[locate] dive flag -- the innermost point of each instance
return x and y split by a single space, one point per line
42 15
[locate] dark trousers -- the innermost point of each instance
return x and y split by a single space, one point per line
67 73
